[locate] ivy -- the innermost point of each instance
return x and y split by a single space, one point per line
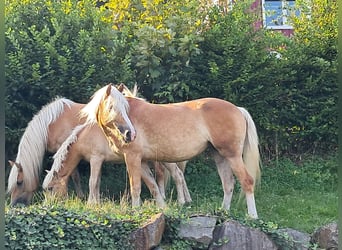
42 227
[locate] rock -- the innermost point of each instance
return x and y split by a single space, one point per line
232 235
298 240
198 229
150 234
326 237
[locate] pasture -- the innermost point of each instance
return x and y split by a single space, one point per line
300 195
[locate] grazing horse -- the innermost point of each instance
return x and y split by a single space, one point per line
179 131
89 143
45 132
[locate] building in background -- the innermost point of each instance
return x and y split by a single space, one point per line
274 14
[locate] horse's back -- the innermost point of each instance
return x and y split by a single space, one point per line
92 143
186 128
62 127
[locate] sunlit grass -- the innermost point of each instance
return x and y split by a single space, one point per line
289 196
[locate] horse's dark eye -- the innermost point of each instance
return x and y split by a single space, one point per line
19 183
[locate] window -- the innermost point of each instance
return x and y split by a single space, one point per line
276 13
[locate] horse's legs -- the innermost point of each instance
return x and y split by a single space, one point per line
183 194
181 165
70 168
161 177
133 165
247 183
150 182
227 179
77 183
95 180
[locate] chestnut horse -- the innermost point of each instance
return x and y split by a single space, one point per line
179 131
45 132
89 143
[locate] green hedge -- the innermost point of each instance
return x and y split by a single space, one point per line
56 48
73 48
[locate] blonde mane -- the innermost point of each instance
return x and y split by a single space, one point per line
120 104
116 104
33 143
131 93
61 154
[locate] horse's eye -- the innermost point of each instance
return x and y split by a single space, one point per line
19 183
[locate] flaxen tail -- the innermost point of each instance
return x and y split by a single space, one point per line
251 155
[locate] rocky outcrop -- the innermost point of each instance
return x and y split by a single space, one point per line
198 229
150 234
295 239
233 235
204 232
326 237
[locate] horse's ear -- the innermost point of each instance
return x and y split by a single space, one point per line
108 90
121 87
12 163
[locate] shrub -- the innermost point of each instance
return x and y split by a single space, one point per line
177 51
67 51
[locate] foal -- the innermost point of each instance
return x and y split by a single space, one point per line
90 144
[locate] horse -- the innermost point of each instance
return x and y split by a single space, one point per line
89 143
47 130
179 131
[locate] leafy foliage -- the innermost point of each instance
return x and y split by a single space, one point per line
176 51
59 228
162 39
62 227
66 52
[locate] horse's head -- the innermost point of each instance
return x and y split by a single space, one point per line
57 186
109 108
21 192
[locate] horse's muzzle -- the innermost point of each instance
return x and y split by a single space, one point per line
20 201
127 134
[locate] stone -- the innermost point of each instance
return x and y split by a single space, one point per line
232 235
150 234
198 229
326 237
297 239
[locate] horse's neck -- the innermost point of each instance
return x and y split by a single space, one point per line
34 141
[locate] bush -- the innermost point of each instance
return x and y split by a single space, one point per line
68 51
292 99
174 52
162 38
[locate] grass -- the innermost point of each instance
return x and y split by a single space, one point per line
301 210
301 196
